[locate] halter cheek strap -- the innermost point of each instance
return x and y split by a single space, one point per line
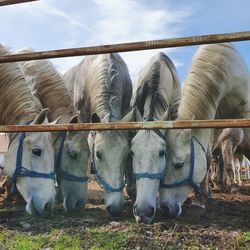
21 171
60 173
107 187
190 179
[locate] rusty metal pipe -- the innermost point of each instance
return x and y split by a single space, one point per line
178 124
10 2
124 47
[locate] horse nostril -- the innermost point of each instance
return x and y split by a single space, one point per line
148 211
78 205
48 207
115 212
165 211
152 211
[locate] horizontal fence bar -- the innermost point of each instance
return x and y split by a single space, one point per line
124 47
179 124
10 2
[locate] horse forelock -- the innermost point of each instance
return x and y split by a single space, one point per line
17 102
50 88
105 93
154 87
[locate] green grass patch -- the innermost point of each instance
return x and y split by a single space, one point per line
56 239
100 238
243 240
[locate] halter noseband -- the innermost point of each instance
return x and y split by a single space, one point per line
60 173
107 187
190 179
21 171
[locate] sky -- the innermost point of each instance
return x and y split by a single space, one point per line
54 24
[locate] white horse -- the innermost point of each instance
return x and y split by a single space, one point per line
227 142
102 88
30 157
218 78
156 88
71 148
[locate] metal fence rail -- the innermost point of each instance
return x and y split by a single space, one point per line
134 46
10 2
182 124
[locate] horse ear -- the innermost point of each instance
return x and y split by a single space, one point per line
74 119
165 116
137 115
41 117
56 121
133 115
95 118
55 133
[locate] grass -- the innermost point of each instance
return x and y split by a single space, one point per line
125 236
56 239
94 238
243 241
101 239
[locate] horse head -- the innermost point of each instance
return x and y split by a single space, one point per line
30 164
185 169
148 149
109 150
72 166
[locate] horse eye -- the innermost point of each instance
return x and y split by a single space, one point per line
37 151
73 155
179 165
162 153
98 154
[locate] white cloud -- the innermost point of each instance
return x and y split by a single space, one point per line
52 10
130 20
51 24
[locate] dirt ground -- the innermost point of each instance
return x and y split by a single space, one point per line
224 225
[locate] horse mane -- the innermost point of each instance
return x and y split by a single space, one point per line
97 80
105 97
50 87
149 87
17 102
206 82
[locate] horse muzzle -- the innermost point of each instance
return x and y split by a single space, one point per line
36 208
73 205
172 210
144 214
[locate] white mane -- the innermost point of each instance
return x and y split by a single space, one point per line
208 81
98 80
153 93
49 86
17 102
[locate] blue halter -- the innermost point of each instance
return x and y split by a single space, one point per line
21 171
190 179
59 171
153 176
100 179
